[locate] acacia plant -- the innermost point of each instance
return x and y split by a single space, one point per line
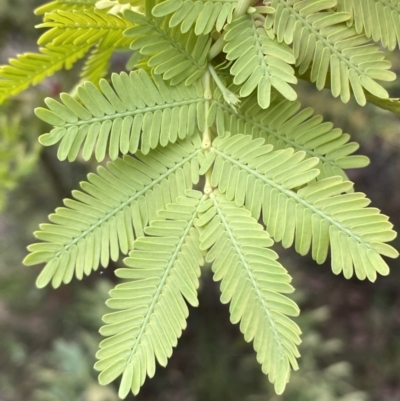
206 157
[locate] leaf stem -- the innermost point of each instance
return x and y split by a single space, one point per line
208 189
231 98
206 143
207 139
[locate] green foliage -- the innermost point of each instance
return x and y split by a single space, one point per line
266 68
97 225
177 57
67 27
205 16
284 125
32 68
379 19
253 282
17 157
114 118
65 5
207 108
321 37
151 307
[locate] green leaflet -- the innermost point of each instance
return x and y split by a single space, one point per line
85 27
32 68
177 57
205 15
253 282
314 217
324 39
111 120
283 125
260 62
114 208
164 271
378 19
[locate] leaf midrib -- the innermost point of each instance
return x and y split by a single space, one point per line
129 113
164 278
260 54
248 271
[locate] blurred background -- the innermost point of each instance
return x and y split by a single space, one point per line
351 329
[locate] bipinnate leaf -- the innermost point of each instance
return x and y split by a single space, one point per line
272 170
163 272
252 281
113 208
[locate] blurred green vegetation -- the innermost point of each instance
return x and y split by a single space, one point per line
351 330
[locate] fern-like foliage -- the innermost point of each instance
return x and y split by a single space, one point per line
212 96
110 120
164 271
312 217
75 29
391 104
260 62
378 19
284 125
253 282
78 28
32 68
205 15
113 209
321 37
65 5
177 57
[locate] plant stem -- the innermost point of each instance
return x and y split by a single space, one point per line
231 98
